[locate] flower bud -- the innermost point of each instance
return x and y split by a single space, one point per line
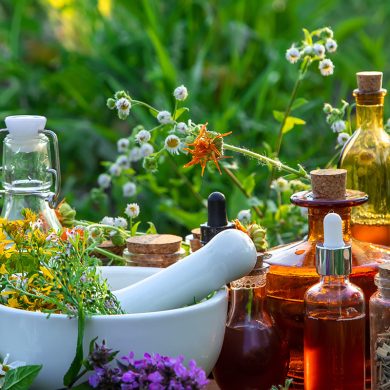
111 103
258 235
150 163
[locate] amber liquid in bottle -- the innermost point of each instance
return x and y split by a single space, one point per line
366 157
254 356
293 271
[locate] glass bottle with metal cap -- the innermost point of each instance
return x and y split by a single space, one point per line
334 332
27 171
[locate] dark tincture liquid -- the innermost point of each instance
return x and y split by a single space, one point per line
334 354
252 358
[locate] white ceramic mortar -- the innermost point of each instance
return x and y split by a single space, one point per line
195 331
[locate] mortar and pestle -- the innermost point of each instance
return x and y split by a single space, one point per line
163 317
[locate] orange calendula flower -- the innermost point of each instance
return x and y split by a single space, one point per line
240 226
207 147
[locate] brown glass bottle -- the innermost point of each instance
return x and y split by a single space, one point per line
254 356
293 271
366 157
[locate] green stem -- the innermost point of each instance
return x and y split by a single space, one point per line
266 160
237 182
109 254
138 102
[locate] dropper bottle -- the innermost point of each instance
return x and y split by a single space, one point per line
334 333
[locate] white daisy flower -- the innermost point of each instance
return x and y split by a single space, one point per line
104 180
280 184
331 45
164 117
123 161
107 221
172 144
132 210
135 154
319 50
146 150
143 136
338 126
5 366
293 55
326 67
129 189
181 127
308 50
123 106
120 222
342 138
115 170
244 216
122 145
180 93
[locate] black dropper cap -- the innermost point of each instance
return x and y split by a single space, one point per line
217 218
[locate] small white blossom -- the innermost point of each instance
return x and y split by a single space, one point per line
342 138
122 145
180 93
120 222
135 154
146 149
123 106
326 67
143 136
338 126
181 127
107 221
293 55
104 180
132 210
280 184
331 45
37 224
308 50
172 144
123 161
129 189
319 50
164 117
244 216
115 170
5 366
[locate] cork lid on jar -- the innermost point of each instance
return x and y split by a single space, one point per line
384 270
369 82
329 189
154 244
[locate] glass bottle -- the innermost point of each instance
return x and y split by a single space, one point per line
380 330
293 270
334 335
366 157
27 171
254 355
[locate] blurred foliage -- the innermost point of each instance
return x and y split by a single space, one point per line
63 58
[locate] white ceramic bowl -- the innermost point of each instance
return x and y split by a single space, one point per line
195 331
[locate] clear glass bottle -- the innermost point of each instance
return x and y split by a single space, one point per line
27 171
366 157
334 332
380 330
254 355
293 271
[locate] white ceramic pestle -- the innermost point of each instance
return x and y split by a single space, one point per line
230 255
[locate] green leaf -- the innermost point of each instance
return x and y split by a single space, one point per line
151 229
135 228
249 184
154 112
74 369
291 121
299 102
180 112
308 38
278 115
21 378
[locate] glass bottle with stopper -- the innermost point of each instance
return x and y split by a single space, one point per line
28 172
366 157
293 267
334 353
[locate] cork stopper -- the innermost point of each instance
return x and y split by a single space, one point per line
154 244
384 270
328 183
369 82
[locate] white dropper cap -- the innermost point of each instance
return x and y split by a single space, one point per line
333 231
23 127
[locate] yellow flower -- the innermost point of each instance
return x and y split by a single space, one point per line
46 273
3 270
13 302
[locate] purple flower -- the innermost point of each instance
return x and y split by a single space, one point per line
101 355
155 377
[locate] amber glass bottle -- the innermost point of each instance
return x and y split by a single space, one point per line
254 356
366 157
293 270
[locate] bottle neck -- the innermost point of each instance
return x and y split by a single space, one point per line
369 110
383 286
334 280
316 217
